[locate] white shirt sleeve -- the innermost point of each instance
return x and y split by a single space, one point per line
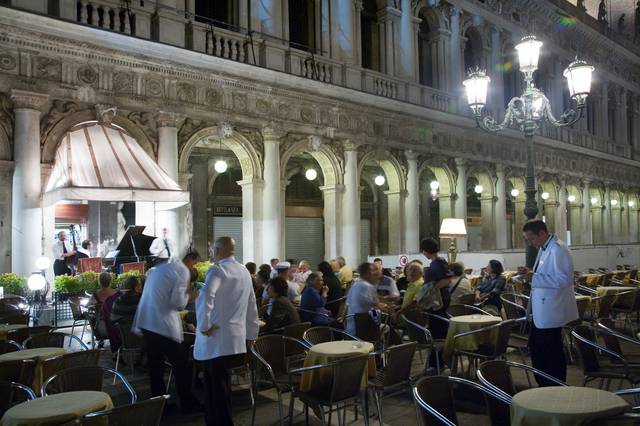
253 326
56 250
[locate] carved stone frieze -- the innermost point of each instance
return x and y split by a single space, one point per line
48 68
186 92
146 122
28 100
8 61
123 83
87 75
6 115
188 128
154 88
58 111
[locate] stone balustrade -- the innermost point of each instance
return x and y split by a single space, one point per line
305 64
108 15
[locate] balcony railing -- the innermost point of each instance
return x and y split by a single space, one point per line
108 15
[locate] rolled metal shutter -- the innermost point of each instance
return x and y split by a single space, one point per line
230 226
304 239
365 239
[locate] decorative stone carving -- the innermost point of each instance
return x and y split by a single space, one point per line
8 62
225 130
87 75
239 102
28 100
186 92
284 111
58 111
47 68
105 113
6 115
123 83
263 107
188 128
315 142
146 122
306 115
212 97
154 88
168 119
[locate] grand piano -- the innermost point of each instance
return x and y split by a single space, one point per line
134 247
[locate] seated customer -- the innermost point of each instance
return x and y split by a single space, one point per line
124 307
459 283
332 282
413 273
282 312
492 286
314 297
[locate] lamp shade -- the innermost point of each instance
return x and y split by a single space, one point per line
476 87
451 228
529 53
578 75
36 281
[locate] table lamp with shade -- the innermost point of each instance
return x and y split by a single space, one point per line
453 228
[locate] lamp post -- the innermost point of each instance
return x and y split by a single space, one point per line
527 111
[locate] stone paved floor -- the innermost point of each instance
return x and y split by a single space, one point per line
397 409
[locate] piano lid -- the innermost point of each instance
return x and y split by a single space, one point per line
135 236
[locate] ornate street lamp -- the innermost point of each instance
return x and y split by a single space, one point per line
527 111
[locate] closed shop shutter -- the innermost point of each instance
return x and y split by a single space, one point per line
230 226
304 239
365 239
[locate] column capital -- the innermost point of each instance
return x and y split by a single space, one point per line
350 145
23 99
328 189
252 182
460 162
411 155
169 119
270 133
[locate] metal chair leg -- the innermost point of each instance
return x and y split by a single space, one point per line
378 405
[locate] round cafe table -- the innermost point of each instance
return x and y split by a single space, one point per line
324 353
464 323
36 354
564 405
56 409
593 280
625 301
6 328
584 304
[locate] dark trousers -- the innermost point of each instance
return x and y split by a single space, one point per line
60 268
438 329
547 353
160 347
217 389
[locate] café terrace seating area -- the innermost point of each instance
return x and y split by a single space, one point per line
322 375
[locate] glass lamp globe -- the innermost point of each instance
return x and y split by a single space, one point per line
476 87
545 195
379 180
36 281
528 53
614 202
571 198
434 185
220 166
478 189
515 192
434 193
311 174
631 203
594 200
43 263
578 75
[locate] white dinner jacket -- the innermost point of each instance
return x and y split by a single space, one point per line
553 303
226 300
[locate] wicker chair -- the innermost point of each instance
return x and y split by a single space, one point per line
7 346
467 299
84 378
79 313
53 365
345 387
12 393
131 344
316 335
52 340
396 374
143 413
22 334
612 338
270 367
19 371
294 352
435 398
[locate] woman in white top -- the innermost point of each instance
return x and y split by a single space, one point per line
460 285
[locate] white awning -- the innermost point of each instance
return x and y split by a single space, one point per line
103 163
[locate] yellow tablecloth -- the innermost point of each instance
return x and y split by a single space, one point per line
584 304
324 353
622 301
474 280
593 280
36 354
5 328
560 405
464 323
56 409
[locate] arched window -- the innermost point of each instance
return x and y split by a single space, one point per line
302 25
425 52
220 13
370 35
611 114
473 50
511 73
591 113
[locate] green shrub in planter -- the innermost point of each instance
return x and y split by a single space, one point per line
14 284
67 284
202 268
121 278
90 280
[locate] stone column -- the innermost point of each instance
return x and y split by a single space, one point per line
395 205
496 73
412 205
460 200
501 209
343 35
633 223
576 226
587 224
624 220
487 216
406 43
26 214
168 124
621 122
199 202
518 220
169 24
561 212
607 230
272 226
636 126
557 84
455 70
251 218
331 196
615 220
351 206
597 218
603 117
389 22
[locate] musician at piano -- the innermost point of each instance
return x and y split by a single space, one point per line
85 249
163 247
61 251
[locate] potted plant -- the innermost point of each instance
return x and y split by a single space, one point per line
121 278
67 285
202 268
14 284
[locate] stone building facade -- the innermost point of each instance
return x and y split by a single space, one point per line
352 89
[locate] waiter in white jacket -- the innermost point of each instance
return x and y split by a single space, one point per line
552 303
227 317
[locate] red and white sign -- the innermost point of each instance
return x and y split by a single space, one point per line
403 260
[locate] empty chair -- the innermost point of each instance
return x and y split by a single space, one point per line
22 334
497 349
497 376
83 378
142 413
53 365
435 398
79 314
12 393
396 372
19 371
316 335
131 343
295 331
417 330
612 339
53 340
7 346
